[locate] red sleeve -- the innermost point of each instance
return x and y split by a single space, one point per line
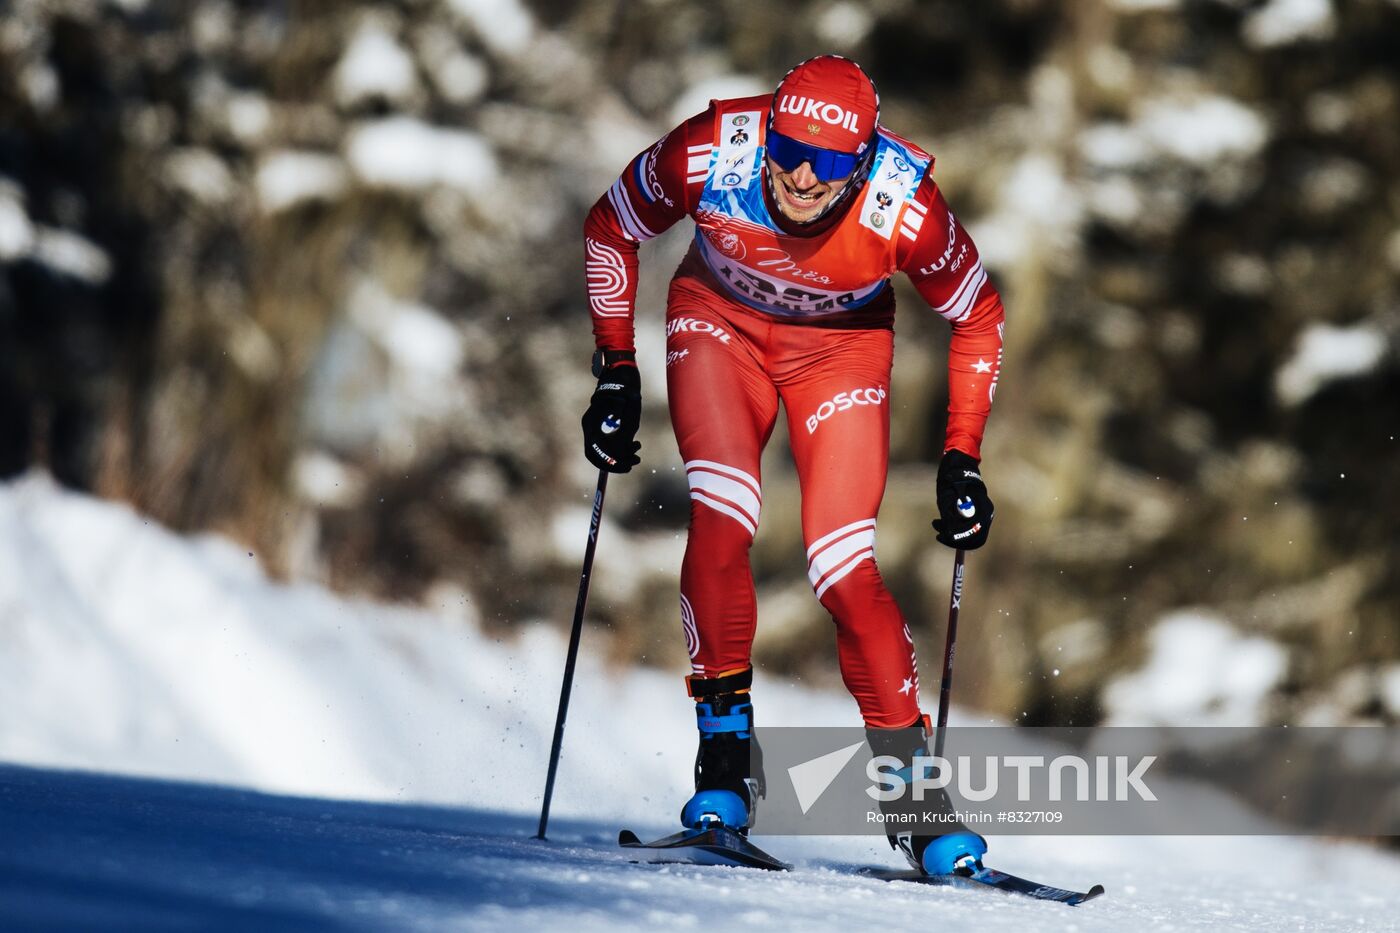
944 266
658 188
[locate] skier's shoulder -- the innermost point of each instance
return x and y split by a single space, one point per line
730 115
758 103
908 147
906 165
927 197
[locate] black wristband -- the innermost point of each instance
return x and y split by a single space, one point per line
602 359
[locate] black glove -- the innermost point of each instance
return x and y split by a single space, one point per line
964 509
613 416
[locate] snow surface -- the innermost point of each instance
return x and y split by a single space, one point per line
1283 22
718 87
387 373
288 177
1390 689
844 24
1199 129
1036 209
1203 129
1200 671
325 480
201 174
16 230
408 154
1141 6
216 673
505 26
132 650
63 251
459 77
374 65
1326 353
71 254
248 116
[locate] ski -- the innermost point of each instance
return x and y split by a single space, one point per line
717 845
720 845
1004 882
990 877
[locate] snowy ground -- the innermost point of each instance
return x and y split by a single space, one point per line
86 851
130 650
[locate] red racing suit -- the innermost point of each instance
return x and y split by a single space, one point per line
763 310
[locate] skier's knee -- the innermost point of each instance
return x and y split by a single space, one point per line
855 593
725 498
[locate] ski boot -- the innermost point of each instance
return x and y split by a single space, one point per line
725 791
946 853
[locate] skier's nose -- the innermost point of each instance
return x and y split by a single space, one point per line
803 177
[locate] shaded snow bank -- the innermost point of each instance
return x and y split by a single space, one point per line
131 649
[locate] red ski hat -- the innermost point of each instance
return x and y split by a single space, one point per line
827 102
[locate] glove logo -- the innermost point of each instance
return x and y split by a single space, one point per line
611 423
969 533
966 508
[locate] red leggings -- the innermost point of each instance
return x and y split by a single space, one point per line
726 369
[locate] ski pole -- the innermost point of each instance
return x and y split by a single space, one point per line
573 647
945 689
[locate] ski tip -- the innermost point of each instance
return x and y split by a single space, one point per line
628 838
1088 895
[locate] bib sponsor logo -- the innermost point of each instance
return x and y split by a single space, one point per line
809 108
691 325
787 299
844 401
726 241
781 262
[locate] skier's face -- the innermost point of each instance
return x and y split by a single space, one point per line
800 195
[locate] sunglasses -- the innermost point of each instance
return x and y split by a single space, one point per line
827 164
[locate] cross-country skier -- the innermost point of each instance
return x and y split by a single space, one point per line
804 206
